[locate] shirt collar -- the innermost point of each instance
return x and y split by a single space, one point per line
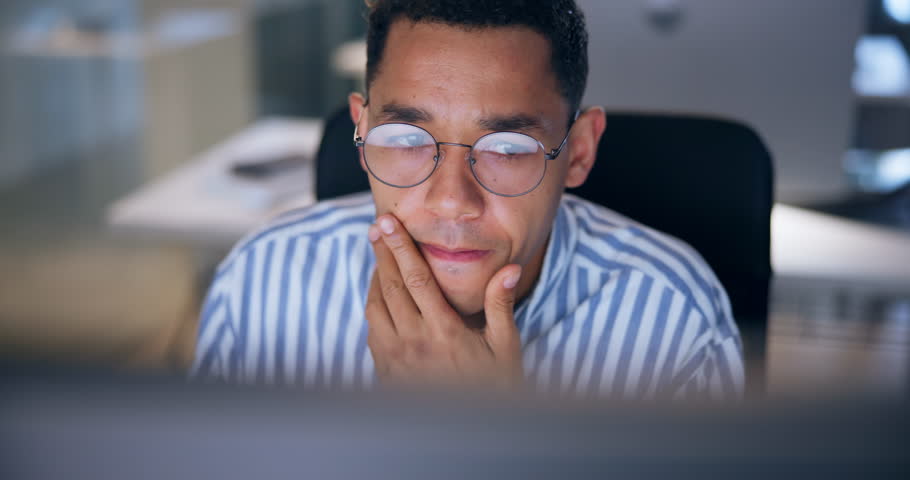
561 244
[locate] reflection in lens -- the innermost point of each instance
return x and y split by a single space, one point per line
400 155
508 163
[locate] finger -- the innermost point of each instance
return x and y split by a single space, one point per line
413 268
403 310
381 330
501 332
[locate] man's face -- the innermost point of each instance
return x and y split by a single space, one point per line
456 84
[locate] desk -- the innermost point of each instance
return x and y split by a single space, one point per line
195 205
812 245
201 205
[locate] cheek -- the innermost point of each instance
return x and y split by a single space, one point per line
555 181
387 199
524 226
528 222
403 203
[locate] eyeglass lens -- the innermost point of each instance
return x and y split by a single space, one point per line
505 163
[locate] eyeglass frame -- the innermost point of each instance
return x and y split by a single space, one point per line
360 142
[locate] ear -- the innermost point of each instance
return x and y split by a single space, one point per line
357 107
583 142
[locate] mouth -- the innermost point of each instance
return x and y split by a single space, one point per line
462 255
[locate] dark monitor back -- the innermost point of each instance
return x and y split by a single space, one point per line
84 425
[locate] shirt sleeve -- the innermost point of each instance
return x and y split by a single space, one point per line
711 366
216 357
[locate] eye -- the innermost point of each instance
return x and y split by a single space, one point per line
507 145
508 148
408 140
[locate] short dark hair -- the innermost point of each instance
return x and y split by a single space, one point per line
559 21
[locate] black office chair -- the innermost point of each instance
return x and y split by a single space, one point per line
706 181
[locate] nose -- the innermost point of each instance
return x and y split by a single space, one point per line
452 191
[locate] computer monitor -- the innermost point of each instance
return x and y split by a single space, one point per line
781 66
60 423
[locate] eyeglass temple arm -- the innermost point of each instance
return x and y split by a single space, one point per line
556 151
358 141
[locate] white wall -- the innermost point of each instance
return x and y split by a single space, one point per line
53 104
61 101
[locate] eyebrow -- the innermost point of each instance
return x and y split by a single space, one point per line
394 112
519 122
515 123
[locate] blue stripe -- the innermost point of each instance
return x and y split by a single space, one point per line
592 212
213 353
313 216
297 213
560 233
249 265
362 337
223 269
723 326
685 261
625 356
670 361
687 371
604 340
559 352
707 290
723 369
550 269
305 278
344 203
364 220
671 275
266 270
235 360
214 301
521 313
589 254
562 294
338 362
364 280
326 231
279 229
283 309
586 329
657 335
359 374
327 285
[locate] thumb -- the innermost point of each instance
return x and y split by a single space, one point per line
499 304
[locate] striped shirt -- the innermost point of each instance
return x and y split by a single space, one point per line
619 309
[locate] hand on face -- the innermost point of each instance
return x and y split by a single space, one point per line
416 337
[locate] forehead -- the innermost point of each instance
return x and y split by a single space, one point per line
482 70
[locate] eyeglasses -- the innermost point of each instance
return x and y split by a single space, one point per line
509 164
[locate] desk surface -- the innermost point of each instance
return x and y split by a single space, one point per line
201 205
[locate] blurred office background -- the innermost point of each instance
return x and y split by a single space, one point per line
108 107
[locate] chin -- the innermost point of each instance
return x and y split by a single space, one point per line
467 307
465 303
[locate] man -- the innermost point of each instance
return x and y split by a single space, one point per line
467 264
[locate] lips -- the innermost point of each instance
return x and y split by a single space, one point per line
453 255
